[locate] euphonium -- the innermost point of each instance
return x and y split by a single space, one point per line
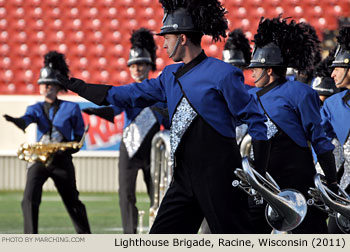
285 210
337 206
161 170
39 152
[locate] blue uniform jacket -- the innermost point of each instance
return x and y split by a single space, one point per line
214 88
131 114
336 117
294 107
68 119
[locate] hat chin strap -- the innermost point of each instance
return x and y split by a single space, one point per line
344 76
261 75
140 78
176 46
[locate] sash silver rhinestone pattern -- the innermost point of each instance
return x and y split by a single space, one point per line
271 128
56 137
136 131
182 119
338 153
345 179
338 156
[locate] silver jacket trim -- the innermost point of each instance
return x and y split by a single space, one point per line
136 131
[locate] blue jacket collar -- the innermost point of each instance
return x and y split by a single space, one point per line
274 84
187 67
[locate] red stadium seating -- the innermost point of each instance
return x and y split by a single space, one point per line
94 34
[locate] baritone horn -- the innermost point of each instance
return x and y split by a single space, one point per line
161 171
337 206
39 152
285 209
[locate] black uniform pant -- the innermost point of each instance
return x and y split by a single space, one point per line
61 170
128 170
202 186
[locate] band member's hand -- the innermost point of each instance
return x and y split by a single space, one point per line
19 122
72 84
103 112
95 93
327 163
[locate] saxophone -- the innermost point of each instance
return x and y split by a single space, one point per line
39 152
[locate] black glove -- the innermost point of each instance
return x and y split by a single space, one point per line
327 164
71 151
261 150
95 93
19 122
103 112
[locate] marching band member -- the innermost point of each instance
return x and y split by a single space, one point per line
323 83
307 74
57 121
294 115
205 98
139 128
237 52
325 87
336 109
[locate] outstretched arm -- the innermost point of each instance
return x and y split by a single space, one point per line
142 94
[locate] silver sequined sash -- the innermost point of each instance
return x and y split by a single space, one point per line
56 137
136 131
345 179
271 128
182 119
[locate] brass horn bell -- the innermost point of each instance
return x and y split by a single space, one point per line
337 206
286 208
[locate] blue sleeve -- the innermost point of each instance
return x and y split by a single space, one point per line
308 107
243 106
326 118
77 121
30 115
141 95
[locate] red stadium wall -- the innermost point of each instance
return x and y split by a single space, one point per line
94 34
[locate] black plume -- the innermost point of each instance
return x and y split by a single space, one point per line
306 52
344 37
171 5
238 41
298 42
208 15
143 38
56 61
323 69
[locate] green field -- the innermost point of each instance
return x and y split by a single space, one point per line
102 209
